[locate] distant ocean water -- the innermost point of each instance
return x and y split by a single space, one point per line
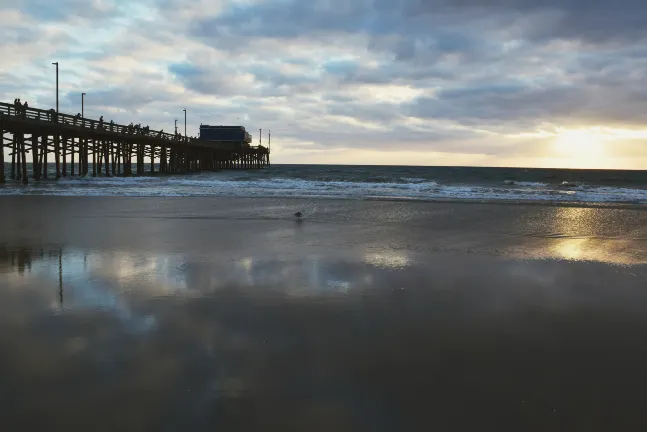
368 182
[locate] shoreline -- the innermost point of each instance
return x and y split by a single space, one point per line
494 201
613 234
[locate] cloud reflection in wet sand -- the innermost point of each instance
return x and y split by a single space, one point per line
316 343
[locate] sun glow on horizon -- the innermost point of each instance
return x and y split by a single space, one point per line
585 148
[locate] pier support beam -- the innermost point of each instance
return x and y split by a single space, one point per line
72 145
35 165
57 155
44 148
152 159
105 153
64 156
23 158
86 157
94 159
120 157
112 155
18 154
163 160
13 158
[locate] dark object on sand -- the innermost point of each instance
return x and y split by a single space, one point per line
298 215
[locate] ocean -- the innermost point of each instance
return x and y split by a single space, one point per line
366 182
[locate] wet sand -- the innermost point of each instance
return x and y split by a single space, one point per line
203 313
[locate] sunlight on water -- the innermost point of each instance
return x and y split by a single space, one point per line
570 249
390 260
574 228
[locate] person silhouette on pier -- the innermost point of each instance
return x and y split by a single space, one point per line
100 123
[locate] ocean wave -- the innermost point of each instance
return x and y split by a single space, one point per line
205 185
103 181
524 183
568 184
300 184
413 179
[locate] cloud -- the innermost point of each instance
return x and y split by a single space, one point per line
60 11
426 75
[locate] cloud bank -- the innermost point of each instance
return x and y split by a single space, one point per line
462 82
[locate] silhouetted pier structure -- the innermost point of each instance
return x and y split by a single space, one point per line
77 145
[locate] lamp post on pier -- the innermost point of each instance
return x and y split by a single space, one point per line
184 123
58 173
56 64
82 105
175 126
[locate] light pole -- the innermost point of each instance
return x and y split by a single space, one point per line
58 174
175 126
82 105
184 123
56 63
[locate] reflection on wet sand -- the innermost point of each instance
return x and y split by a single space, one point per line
152 341
574 234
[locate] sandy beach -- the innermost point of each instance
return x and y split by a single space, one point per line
195 313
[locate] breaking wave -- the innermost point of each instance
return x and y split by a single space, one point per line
524 183
402 188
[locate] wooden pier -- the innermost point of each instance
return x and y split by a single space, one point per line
79 145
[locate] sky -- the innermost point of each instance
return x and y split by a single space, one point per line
533 83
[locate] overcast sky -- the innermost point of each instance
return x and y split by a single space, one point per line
425 82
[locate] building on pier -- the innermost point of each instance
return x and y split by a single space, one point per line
226 134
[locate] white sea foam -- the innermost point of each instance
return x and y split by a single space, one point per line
524 183
568 184
204 185
413 179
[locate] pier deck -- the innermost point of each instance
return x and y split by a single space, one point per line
77 145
